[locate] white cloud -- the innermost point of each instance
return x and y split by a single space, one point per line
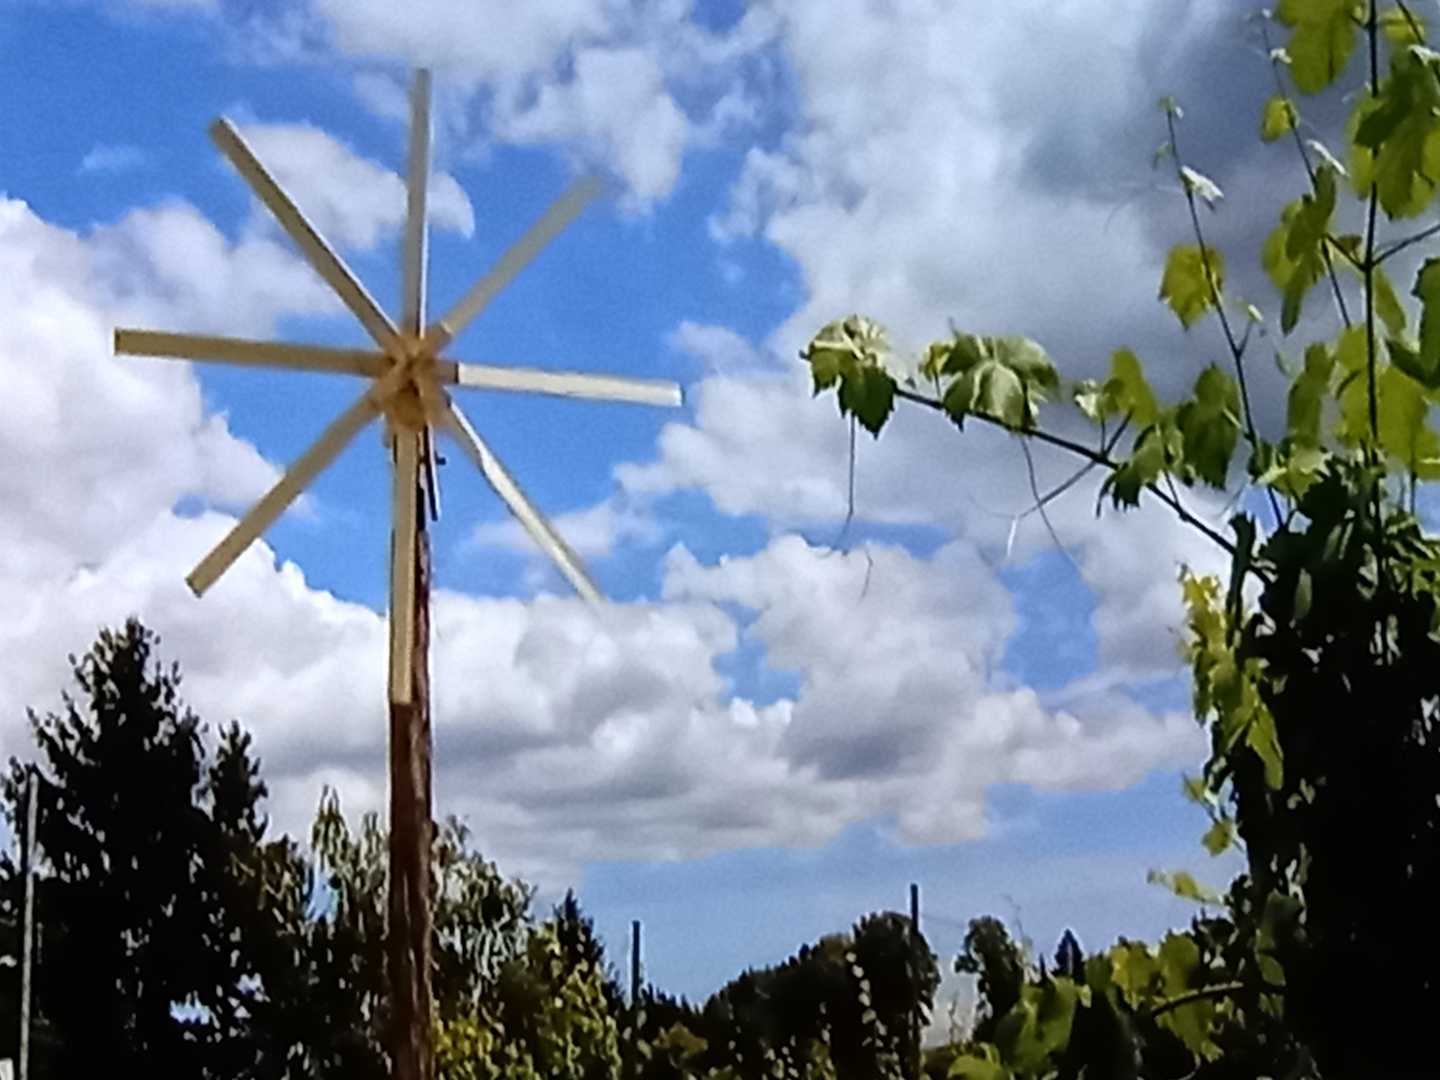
592 532
105 158
618 99
622 87
481 39
351 201
563 733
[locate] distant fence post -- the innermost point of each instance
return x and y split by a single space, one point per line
917 1057
27 924
634 963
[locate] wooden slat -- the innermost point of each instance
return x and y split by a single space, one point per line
520 505
311 244
561 213
570 384
226 350
273 503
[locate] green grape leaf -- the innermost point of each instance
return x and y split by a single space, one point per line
1184 885
1089 398
1427 290
1294 254
1192 281
1219 837
1148 459
1403 414
1195 789
1396 136
1133 967
1353 355
852 352
842 345
1321 41
1129 391
981 1066
1408 360
1278 119
1387 302
1308 394
1402 29
1261 737
869 394
1000 377
1210 425
1179 958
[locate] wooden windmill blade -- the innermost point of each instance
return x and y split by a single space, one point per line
519 504
272 504
312 245
566 384
561 213
247 353
417 186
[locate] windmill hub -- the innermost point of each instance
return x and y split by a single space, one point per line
411 398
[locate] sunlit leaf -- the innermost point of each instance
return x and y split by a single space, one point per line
1403 413
1192 281
1402 28
1294 253
1387 302
1396 136
1210 425
972 1066
1427 290
1278 119
1262 738
1322 39
1184 885
1001 377
843 344
1219 836
1308 393
853 352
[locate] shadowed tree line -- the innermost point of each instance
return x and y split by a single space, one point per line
177 937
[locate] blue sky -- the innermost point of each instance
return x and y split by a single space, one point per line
782 720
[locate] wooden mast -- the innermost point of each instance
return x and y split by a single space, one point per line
411 838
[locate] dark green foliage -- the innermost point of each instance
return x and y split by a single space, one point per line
846 1007
123 838
1345 631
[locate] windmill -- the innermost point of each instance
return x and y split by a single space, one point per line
408 389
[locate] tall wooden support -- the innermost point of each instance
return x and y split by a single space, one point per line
411 836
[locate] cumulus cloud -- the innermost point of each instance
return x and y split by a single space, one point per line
618 99
564 733
351 201
592 532
104 158
627 88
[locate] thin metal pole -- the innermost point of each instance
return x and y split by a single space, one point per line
27 926
411 835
